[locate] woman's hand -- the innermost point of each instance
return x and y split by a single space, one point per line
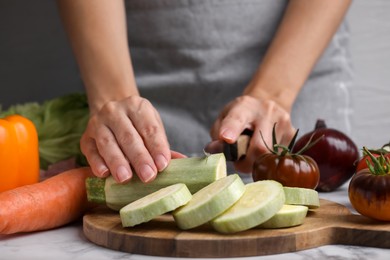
126 136
303 34
246 112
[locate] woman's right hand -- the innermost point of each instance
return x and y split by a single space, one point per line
126 136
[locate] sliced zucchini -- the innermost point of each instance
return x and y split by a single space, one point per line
210 202
287 216
302 196
155 204
260 201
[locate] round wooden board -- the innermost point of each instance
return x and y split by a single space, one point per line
332 223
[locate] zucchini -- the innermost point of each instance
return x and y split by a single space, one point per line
260 201
302 196
209 202
287 216
194 172
154 204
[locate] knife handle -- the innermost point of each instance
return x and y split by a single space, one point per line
237 151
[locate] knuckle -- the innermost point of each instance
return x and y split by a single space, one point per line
158 146
132 99
286 118
241 99
92 124
93 121
109 108
271 105
104 140
139 158
234 118
126 138
138 105
150 130
94 159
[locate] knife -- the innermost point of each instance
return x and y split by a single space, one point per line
233 152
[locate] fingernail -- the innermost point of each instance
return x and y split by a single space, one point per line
102 170
123 174
146 173
229 135
161 162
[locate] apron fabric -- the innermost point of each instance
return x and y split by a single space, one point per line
192 57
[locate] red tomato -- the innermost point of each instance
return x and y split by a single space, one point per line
290 170
362 164
369 194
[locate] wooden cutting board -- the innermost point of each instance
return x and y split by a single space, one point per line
332 223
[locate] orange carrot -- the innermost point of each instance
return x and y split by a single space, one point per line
51 203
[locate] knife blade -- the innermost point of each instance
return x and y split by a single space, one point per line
233 152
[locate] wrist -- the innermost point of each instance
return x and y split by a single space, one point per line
282 95
99 95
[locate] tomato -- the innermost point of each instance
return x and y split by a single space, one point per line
369 194
290 170
369 188
362 163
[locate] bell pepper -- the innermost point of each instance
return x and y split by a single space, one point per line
19 152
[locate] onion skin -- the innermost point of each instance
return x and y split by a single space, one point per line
336 156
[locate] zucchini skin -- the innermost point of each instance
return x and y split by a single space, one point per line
194 172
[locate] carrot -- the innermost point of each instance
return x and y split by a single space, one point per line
51 203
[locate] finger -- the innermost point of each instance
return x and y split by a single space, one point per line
265 135
255 149
111 153
127 139
96 162
234 124
177 155
214 130
152 132
133 147
287 134
262 138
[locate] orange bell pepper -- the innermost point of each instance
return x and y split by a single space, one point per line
19 152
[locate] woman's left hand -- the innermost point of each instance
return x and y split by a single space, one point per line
246 112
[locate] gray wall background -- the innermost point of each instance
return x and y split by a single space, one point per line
36 62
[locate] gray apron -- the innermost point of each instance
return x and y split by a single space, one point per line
192 57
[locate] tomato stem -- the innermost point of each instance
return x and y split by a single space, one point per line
265 143
310 144
292 142
274 141
378 165
288 149
285 149
383 150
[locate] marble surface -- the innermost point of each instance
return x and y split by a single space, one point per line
70 243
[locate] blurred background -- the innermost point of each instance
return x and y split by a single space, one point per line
36 62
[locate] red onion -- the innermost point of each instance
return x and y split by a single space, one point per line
336 155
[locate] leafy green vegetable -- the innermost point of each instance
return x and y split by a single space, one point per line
60 122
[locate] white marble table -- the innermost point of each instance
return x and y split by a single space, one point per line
70 243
